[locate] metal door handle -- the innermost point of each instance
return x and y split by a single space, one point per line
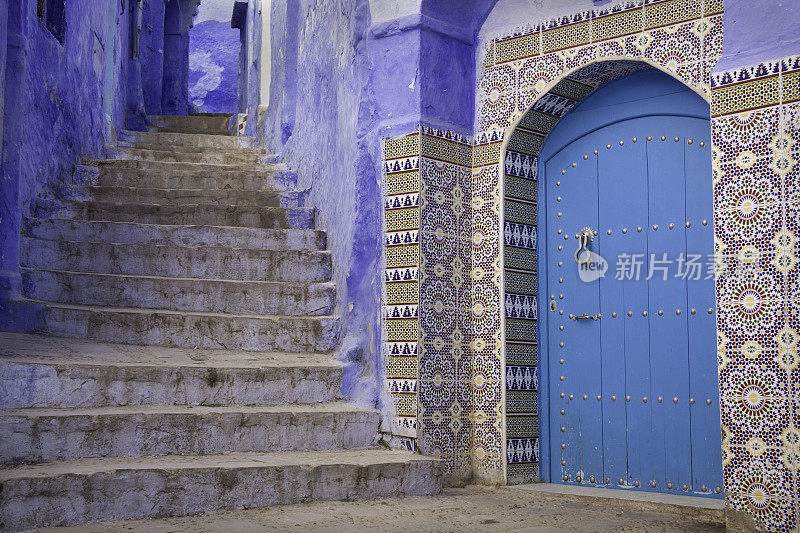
585 316
585 238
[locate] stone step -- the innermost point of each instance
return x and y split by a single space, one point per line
191 149
214 125
177 176
167 154
90 490
48 434
180 294
221 197
39 371
163 327
195 140
177 262
195 168
213 236
204 214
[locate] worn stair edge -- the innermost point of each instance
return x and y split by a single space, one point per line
180 294
181 141
47 435
176 261
197 140
163 327
188 166
181 177
186 235
174 235
180 214
172 196
214 125
91 490
155 155
192 149
40 371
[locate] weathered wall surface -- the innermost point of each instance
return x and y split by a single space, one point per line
340 82
151 52
69 95
322 120
63 100
746 41
250 58
213 58
58 114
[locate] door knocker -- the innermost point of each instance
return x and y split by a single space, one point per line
585 237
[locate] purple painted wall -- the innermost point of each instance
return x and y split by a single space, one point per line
322 119
151 52
68 99
175 77
57 116
338 86
759 31
249 82
214 58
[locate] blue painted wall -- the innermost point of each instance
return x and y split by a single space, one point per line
58 114
322 119
68 99
214 58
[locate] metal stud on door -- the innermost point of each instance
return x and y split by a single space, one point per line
572 349
625 206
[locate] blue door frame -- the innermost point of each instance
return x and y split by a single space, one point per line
614 109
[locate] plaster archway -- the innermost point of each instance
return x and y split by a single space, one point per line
524 358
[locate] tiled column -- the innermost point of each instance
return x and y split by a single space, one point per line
400 302
446 370
755 131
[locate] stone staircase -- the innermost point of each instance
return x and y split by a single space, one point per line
181 359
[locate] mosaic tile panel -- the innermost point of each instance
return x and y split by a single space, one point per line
429 373
519 272
447 381
400 301
756 136
755 151
523 92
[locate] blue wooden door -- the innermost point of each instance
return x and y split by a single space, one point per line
633 392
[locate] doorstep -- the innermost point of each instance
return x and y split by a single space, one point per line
712 509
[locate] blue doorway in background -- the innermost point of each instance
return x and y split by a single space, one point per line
629 337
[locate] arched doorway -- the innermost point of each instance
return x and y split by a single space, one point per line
628 370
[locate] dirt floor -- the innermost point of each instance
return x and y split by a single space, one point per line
482 509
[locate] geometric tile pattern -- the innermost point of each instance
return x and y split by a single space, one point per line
400 299
447 381
756 168
529 81
521 313
475 348
428 366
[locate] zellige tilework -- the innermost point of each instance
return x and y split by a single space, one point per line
472 257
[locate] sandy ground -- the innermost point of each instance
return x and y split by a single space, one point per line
482 509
